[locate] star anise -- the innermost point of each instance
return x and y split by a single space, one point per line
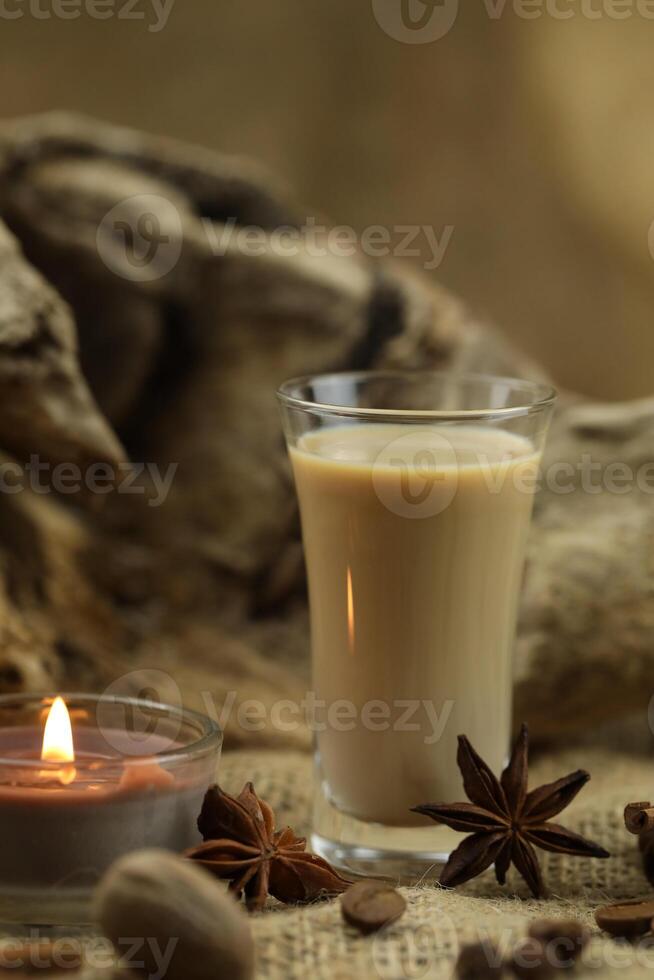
243 847
506 820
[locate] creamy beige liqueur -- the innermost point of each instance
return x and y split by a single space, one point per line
414 538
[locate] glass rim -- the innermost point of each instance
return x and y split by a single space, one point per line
210 738
543 396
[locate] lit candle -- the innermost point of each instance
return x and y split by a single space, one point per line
80 785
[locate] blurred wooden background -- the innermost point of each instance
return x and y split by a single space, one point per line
533 138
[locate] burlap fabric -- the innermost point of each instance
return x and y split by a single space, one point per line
314 942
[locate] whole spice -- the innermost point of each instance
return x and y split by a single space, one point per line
530 959
371 905
191 929
564 939
243 847
639 817
480 961
626 919
646 845
505 820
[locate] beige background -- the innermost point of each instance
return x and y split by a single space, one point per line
533 138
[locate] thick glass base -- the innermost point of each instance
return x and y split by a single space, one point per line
405 855
403 867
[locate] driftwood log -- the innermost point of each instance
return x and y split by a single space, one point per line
107 357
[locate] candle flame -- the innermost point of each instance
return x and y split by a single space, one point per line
58 739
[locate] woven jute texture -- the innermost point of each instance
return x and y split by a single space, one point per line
314 942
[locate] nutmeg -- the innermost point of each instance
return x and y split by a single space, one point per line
187 926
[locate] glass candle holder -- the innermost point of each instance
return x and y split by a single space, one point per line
415 495
119 774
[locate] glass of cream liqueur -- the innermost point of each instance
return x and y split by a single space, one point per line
415 493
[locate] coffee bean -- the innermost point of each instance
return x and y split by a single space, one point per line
530 960
479 961
626 918
371 905
564 939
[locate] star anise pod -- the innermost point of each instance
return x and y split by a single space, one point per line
506 820
243 847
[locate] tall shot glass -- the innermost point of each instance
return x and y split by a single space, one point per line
415 493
